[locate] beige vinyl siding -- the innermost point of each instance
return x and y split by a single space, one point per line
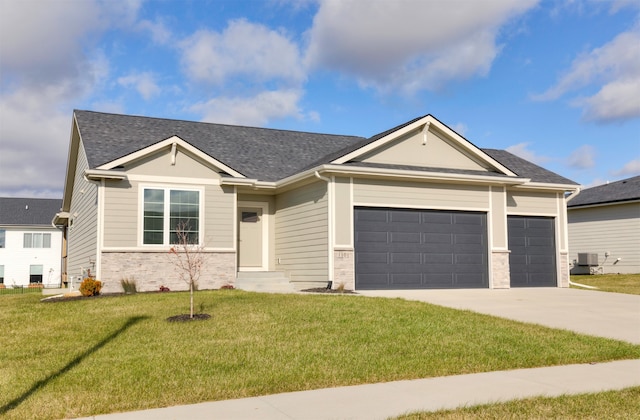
420 195
219 204
121 214
532 203
498 218
436 153
343 210
301 222
83 235
612 228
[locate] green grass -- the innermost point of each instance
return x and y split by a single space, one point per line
100 355
20 291
618 283
624 404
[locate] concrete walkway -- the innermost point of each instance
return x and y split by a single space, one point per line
610 315
380 401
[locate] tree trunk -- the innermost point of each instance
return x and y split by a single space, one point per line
191 293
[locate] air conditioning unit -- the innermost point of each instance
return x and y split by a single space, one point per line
588 259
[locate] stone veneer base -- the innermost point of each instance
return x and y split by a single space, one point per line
154 269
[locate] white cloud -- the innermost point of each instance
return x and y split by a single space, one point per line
407 44
615 69
582 158
252 111
242 49
522 150
460 128
158 30
144 83
631 168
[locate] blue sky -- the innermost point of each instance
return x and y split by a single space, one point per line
556 82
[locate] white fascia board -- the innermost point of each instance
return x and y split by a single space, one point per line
550 186
168 143
98 174
405 174
247 182
462 142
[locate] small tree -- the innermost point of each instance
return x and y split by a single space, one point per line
188 257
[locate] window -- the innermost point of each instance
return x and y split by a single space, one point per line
3 235
35 274
167 211
37 240
1 274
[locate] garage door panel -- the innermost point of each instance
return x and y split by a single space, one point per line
469 280
405 237
474 239
374 237
405 258
532 259
403 217
438 258
473 259
373 257
437 238
408 279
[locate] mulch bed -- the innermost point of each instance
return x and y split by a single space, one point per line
330 291
187 317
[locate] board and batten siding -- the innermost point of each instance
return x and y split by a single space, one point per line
122 214
420 195
612 228
301 221
83 234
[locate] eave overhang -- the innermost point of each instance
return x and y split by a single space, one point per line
100 174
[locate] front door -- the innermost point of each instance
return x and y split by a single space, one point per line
250 238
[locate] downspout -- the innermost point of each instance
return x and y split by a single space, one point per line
330 221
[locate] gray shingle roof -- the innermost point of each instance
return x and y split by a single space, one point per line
526 169
614 192
260 153
28 211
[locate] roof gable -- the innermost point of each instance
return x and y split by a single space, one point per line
614 192
28 211
423 142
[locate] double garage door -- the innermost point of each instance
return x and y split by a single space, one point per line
433 249
420 249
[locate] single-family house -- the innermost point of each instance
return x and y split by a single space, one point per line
417 206
30 247
604 228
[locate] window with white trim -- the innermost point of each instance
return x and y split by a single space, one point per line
1 274
165 210
37 240
3 236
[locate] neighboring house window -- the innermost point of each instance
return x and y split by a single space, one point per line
37 240
1 274
3 235
35 274
167 210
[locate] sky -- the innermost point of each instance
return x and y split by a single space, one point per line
555 82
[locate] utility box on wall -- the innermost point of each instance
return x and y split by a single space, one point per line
588 259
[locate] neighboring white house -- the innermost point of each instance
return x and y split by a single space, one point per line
605 220
30 247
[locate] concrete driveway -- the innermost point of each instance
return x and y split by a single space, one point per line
610 315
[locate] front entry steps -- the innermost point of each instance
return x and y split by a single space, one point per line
264 281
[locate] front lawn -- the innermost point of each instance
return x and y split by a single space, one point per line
624 404
619 283
109 354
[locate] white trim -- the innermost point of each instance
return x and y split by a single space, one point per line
548 186
167 212
101 174
100 225
264 206
173 180
489 219
611 203
168 143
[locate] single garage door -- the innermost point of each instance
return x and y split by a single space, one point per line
532 259
420 249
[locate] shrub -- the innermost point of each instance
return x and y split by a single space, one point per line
129 285
90 287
